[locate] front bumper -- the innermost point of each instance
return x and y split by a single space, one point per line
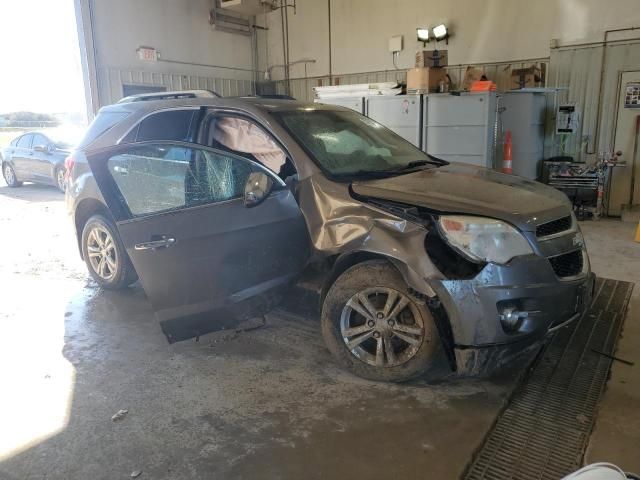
528 284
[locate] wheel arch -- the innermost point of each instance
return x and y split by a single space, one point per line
84 211
347 260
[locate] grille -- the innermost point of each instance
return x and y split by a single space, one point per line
553 227
568 264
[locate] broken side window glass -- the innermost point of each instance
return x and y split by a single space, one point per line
158 178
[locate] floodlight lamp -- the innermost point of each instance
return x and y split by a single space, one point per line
423 34
440 32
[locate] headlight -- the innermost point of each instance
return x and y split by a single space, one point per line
484 239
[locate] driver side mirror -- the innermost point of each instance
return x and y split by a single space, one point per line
257 188
43 148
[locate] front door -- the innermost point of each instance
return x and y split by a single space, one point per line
180 213
40 163
627 141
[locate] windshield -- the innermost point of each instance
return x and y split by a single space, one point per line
348 144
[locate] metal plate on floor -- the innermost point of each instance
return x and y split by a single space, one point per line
543 431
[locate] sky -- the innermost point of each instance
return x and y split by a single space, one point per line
40 57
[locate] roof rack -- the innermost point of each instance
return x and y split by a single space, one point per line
170 95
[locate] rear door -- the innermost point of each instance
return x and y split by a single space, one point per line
180 213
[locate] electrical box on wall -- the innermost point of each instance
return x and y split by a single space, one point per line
396 44
567 118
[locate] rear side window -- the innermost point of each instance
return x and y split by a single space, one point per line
168 125
103 122
25 141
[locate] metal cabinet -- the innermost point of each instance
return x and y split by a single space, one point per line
402 114
523 114
352 102
461 128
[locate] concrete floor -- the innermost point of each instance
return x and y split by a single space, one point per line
616 437
266 403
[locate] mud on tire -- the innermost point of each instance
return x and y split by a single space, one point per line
391 336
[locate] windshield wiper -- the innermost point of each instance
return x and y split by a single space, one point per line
415 164
420 163
408 168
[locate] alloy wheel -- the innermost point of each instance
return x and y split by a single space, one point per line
101 249
60 178
9 176
382 327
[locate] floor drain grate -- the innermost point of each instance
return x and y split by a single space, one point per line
543 432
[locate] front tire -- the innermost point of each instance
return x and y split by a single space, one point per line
374 327
105 255
10 177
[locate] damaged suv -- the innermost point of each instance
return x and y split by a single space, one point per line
215 202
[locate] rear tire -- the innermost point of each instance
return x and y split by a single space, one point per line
10 177
105 255
374 327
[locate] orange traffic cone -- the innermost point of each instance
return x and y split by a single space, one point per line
507 162
637 239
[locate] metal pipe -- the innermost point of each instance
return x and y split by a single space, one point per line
180 62
254 54
286 20
284 47
297 62
330 47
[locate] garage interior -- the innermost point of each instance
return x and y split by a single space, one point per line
555 83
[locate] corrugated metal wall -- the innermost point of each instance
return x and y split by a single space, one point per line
112 80
574 70
302 88
580 69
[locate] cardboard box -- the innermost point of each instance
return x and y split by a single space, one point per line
426 79
471 75
526 78
429 58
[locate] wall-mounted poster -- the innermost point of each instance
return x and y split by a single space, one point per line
632 95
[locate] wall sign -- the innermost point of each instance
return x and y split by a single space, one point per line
632 95
149 54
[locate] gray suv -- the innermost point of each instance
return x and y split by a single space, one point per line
220 202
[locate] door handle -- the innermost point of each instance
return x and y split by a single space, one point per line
163 242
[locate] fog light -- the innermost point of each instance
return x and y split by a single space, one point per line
511 319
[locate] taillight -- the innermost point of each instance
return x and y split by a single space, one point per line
69 162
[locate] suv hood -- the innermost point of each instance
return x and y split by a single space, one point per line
465 189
